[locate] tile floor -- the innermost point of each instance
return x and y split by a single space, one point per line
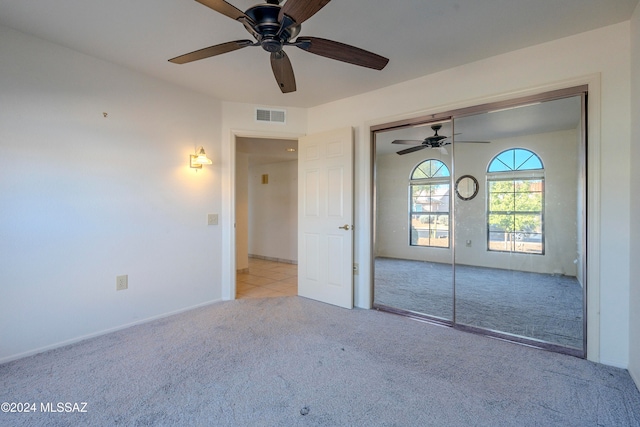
267 279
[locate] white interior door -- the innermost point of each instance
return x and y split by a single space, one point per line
325 217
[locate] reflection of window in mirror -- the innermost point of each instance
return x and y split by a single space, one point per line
429 210
515 202
466 187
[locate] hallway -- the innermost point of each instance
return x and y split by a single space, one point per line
267 279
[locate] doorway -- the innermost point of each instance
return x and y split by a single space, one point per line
480 219
266 217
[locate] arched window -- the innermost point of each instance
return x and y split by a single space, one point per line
429 190
515 159
515 202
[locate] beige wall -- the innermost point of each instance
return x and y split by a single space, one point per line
273 211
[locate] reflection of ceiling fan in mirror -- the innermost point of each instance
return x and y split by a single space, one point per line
435 141
273 26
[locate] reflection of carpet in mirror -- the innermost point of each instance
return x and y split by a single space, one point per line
540 306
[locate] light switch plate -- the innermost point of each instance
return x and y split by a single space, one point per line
122 282
212 219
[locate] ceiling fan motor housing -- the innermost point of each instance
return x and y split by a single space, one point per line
435 140
271 34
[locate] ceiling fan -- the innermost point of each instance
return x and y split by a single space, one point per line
274 26
435 141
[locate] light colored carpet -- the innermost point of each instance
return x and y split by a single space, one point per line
544 307
294 362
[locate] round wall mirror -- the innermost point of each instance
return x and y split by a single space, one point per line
466 187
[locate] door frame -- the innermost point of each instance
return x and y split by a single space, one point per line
228 217
592 274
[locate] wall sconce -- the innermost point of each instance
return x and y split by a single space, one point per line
200 158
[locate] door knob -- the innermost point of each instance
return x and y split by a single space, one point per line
345 227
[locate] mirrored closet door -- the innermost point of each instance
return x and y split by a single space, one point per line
413 246
479 221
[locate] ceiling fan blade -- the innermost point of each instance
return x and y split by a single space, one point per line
224 8
341 52
407 141
283 71
210 51
449 140
412 149
301 10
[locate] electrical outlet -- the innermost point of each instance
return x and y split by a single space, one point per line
122 282
212 219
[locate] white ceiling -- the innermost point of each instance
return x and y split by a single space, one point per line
418 36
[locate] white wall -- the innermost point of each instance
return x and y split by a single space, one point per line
273 211
573 60
84 198
557 151
634 300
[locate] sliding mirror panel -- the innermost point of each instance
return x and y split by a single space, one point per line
519 231
413 271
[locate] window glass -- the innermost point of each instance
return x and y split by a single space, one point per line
517 159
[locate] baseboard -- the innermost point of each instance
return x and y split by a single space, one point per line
635 376
268 258
100 333
614 363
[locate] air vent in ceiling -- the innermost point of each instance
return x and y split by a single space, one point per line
272 116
